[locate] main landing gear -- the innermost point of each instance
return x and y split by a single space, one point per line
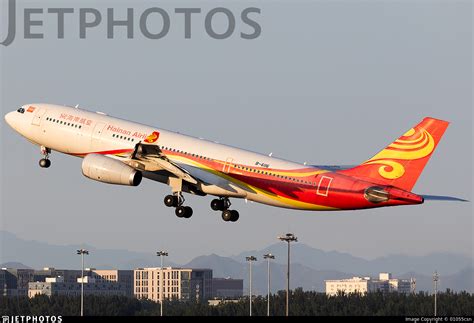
45 162
223 204
177 200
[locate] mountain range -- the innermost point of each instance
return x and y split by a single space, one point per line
309 266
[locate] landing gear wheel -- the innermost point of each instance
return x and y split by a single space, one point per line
180 211
188 212
217 205
44 163
235 216
171 200
227 215
220 204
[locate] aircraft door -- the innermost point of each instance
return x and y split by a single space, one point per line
96 135
37 117
324 185
227 165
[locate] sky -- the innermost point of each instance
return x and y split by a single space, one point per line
326 82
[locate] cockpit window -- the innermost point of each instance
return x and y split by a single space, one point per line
21 110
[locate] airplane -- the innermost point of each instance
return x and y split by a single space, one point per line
121 152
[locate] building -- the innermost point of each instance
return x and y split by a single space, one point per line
124 277
389 284
55 286
178 283
385 283
14 282
7 283
69 275
227 288
352 285
51 281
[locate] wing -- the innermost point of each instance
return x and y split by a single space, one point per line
150 158
155 165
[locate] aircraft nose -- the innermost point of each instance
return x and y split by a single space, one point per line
9 119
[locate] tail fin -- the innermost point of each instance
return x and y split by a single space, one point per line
401 163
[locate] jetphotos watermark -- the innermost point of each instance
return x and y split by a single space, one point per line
151 23
31 319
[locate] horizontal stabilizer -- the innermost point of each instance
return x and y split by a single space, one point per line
334 168
443 198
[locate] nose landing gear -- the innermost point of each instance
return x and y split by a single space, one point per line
45 162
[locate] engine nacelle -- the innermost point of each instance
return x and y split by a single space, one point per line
108 170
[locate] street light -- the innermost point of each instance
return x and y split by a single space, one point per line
435 281
268 256
289 237
161 254
82 252
250 260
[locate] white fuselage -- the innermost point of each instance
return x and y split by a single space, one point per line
79 132
98 136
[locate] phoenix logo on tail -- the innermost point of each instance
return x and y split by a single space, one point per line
401 163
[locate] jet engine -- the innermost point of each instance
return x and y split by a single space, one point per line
108 170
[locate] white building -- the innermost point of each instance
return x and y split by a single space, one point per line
352 285
363 285
176 283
